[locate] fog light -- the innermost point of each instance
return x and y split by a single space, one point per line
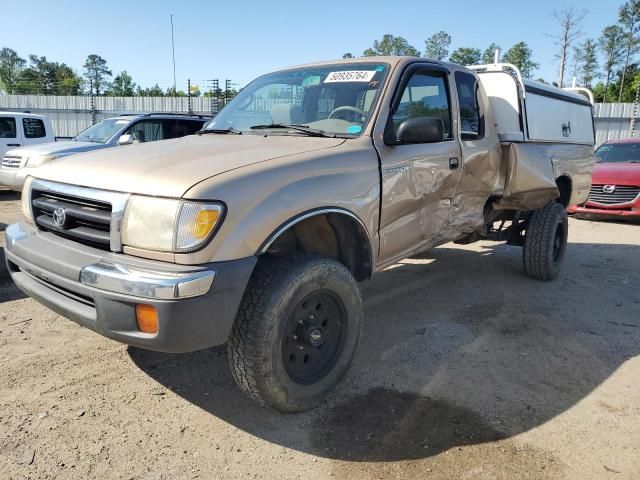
147 318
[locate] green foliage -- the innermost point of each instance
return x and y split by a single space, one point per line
96 73
437 46
521 56
466 56
488 56
10 67
347 55
588 62
611 45
154 91
123 85
629 20
390 45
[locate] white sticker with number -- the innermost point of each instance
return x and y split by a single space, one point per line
350 76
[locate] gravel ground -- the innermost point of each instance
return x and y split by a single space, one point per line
467 369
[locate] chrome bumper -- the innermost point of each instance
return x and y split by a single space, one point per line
116 278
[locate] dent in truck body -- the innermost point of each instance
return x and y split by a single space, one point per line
532 170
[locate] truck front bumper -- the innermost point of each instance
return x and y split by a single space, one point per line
196 305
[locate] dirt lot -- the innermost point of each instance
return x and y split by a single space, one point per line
467 369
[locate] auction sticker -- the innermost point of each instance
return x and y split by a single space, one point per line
350 76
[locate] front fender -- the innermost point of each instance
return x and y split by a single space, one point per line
261 198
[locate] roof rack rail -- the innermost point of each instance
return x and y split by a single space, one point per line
178 114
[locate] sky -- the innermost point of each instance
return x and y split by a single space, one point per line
243 39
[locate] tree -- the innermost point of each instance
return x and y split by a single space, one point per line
390 45
68 82
96 73
10 67
123 85
612 47
347 55
629 18
154 91
569 20
437 46
588 62
521 56
489 54
466 56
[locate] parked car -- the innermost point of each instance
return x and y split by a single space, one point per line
615 193
312 179
23 129
18 163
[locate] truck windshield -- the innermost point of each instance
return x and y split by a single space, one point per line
102 131
619 153
334 99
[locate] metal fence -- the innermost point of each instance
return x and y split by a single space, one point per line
71 115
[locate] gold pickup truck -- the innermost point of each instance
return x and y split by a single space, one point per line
256 231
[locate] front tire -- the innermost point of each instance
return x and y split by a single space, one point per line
296 332
546 242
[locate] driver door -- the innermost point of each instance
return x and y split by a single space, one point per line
419 180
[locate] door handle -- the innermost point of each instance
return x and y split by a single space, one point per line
13 144
454 163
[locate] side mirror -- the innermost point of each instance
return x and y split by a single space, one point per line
125 139
421 130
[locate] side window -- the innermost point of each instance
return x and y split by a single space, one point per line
7 127
180 128
425 95
147 131
33 128
471 119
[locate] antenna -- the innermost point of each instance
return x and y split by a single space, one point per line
173 54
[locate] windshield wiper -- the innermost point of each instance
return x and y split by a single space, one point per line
221 131
306 129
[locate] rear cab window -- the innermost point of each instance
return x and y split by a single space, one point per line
471 118
8 127
33 128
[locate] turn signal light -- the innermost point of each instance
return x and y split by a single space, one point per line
147 318
205 221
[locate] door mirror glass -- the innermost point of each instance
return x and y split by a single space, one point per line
421 130
125 139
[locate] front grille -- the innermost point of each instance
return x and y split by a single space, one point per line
11 161
84 220
621 194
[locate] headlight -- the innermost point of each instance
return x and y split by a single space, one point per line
169 225
25 197
38 160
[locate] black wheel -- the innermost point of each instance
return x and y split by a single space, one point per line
546 242
296 332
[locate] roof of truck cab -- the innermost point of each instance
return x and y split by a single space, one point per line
391 60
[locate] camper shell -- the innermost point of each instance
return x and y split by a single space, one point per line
546 133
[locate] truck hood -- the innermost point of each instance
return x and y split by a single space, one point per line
617 173
56 148
169 168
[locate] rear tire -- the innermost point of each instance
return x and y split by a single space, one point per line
546 242
296 332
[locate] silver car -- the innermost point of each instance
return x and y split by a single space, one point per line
18 163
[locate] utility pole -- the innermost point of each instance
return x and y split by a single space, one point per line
173 55
214 100
93 103
227 90
636 108
189 94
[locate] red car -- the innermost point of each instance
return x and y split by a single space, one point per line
615 189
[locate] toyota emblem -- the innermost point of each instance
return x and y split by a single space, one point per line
59 217
609 188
